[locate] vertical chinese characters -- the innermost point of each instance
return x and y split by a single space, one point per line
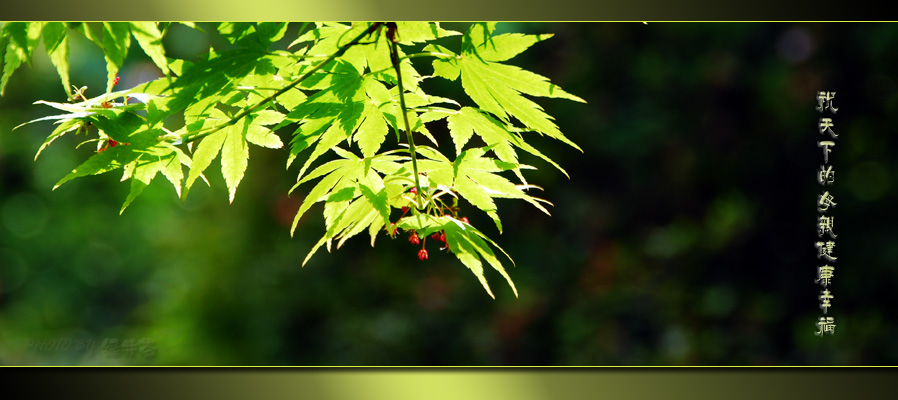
826 235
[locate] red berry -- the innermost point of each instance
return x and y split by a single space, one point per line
465 220
414 191
413 238
115 82
422 254
441 236
404 210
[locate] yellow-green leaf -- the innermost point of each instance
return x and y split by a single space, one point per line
56 42
150 40
206 151
234 157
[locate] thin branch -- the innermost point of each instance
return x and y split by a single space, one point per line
203 132
394 56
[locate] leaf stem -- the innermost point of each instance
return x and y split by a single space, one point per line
428 54
394 56
203 133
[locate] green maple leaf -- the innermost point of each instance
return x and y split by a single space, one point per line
150 40
497 136
356 197
234 156
138 153
468 244
421 32
477 181
330 115
232 142
23 39
116 41
164 158
201 85
56 42
258 36
206 151
500 88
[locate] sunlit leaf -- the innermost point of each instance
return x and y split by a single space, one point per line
116 41
465 242
150 40
56 42
499 88
234 156
23 38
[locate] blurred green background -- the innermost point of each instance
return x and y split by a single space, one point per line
685 235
